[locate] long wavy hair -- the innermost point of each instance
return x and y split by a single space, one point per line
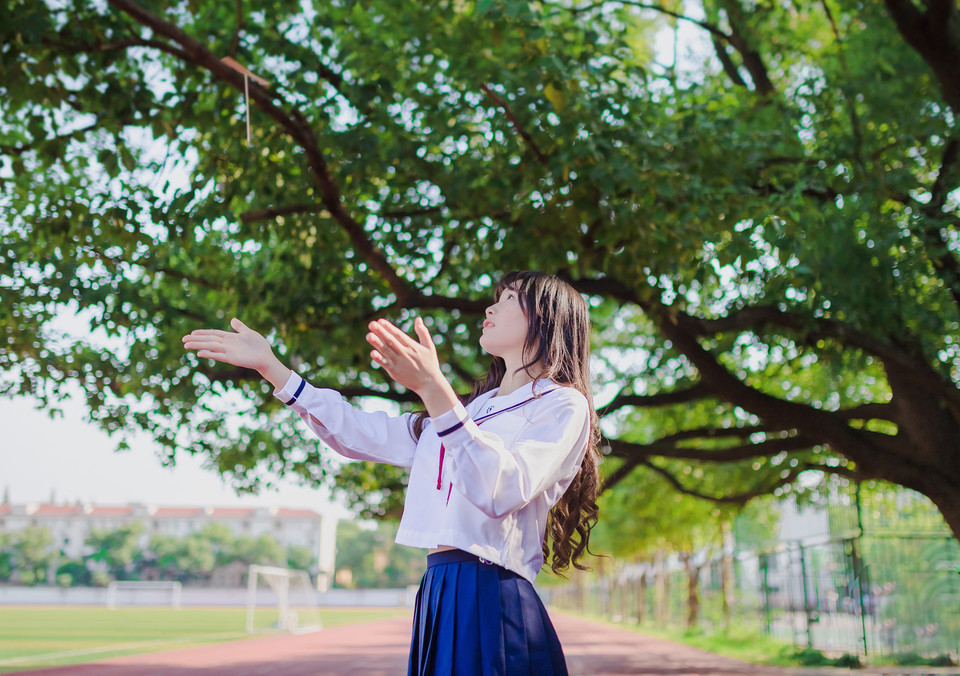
558 344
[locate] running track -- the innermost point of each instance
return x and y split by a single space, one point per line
380 649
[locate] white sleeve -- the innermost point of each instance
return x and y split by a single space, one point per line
352 433
547 450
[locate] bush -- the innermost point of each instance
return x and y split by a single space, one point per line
77 570
810 657
915 659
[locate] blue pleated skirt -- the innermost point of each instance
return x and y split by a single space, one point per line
476 618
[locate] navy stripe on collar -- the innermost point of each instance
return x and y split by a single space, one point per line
479 420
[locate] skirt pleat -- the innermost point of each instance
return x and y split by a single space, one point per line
473 617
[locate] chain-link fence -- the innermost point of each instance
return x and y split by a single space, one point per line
867 589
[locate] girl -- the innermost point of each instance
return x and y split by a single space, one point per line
488 477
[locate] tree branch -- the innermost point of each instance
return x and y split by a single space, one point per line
931 36
618 475
297 126
679 396
27 147
523 133
729 67
715 31
872 411
236 33
944 262
666 448
273 212
738 499
752 60
814 329
848 97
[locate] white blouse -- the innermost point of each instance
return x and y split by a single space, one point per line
504 462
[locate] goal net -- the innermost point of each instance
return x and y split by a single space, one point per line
281 599
140 593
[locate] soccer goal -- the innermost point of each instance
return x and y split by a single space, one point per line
143 593
281 599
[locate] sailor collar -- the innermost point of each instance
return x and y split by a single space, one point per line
493 403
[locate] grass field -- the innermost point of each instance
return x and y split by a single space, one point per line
746 645
33 637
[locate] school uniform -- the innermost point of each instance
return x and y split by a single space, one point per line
483 479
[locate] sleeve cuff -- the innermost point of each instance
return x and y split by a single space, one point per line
291 390
450 421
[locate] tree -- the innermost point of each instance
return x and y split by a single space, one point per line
164 551
75 573
301 558
221 540
6 556
263 550
31 552
772 234
117 549
373 559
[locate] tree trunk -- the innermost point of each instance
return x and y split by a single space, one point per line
663 590
726 573
693 595
641 598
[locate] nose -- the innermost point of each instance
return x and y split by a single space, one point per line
489 310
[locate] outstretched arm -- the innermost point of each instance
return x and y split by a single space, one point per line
241 347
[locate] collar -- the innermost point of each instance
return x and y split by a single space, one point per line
490 402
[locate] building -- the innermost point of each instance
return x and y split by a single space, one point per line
71 524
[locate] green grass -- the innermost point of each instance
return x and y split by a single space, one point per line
33 637
742 644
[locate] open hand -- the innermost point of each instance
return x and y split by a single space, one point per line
411 363
244 347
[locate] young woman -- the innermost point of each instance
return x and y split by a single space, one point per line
489 477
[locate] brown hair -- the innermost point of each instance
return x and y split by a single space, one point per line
558 340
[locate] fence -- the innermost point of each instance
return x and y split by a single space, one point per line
874 592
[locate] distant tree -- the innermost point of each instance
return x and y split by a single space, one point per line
77 571
32 552
264 550
374 559
301 558
165 551
7 556
222 540
117 549
196 556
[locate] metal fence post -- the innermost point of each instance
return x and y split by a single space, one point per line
859 568
764 566
807 610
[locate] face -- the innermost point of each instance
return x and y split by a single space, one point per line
505 326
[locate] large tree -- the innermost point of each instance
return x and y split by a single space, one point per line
764 216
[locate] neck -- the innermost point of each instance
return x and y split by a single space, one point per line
516 377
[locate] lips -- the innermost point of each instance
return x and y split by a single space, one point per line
487 323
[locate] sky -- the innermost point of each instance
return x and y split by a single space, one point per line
70 459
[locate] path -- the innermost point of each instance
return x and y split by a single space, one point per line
380 649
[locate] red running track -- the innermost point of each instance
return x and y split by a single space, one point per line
380 649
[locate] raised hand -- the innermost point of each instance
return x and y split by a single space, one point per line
241 347
411 363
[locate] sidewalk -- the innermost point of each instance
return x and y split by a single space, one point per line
380 649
